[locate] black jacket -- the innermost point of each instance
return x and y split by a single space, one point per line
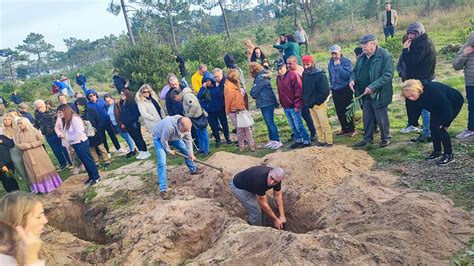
420 58
5 145
173 107
315 87
442 101
119 83
92 116
181 66
46 121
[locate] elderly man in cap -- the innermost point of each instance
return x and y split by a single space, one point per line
419 56
250 187
340 69
315 97
290 93
372 77
174 131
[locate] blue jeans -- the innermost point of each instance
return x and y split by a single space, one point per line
388 31
126 137
161 154
268 117
470 107
203 138
296 124
83 152
425 118
59 150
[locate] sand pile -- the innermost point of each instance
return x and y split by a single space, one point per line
338 211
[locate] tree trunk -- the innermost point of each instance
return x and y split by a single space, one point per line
376 9
172 30
351 8
296 11
129 28
225 19
38 67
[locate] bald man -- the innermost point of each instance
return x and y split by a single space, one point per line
174 131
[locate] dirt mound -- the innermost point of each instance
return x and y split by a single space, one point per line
338 212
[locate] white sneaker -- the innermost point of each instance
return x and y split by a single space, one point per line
276 145
466 133
122 150
109 155
143 155
409 129
269 144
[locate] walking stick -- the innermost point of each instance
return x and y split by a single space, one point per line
200 162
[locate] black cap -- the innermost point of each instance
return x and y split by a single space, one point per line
367 38
280 64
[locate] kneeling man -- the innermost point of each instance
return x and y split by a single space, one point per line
250 186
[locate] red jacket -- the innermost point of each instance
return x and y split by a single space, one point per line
290 90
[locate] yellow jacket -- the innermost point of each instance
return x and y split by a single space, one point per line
196 82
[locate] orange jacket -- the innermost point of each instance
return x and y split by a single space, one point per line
234 100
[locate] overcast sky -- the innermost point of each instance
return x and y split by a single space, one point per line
56 20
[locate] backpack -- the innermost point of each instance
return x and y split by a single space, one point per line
89 129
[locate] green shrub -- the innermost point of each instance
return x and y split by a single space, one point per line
210 50
262 36
285 25
147 62
394 46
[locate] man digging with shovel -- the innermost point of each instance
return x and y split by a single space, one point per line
250 187
174 131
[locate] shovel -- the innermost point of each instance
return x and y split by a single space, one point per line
200 162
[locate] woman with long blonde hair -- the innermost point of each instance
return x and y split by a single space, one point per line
43 176
22 221
149 106
9 129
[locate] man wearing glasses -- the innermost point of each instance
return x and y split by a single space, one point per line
250 187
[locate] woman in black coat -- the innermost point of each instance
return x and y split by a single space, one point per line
6 164
444 104
129 116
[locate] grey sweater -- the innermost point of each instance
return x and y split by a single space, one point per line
168 129
466 62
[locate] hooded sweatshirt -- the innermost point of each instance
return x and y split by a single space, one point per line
100 106
420 57
466 62
229 61
315 87
211 98
168 130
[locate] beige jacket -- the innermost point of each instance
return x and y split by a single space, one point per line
148 111
192 107
394 18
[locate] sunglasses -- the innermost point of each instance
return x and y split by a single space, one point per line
90 95
145 92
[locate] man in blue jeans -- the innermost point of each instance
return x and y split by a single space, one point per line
290 92
174 131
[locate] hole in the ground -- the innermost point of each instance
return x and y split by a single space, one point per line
73 217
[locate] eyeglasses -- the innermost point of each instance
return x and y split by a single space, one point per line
90 95
145 92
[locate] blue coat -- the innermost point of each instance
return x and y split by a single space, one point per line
16 99
216 103
262 90
59 84
339 75
100 106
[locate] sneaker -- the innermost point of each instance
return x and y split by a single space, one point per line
109 155
165 195
145 155
130 154
94 181
121 150
466 133
434 155
228 142
384 143
296 145
320 144
409 129
305 145
362 143
140 155
218 144
445 159
421 139
276 145
269 144
198 171
88 181
75 171
350 134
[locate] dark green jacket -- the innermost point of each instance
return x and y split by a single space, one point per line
290 48
381 75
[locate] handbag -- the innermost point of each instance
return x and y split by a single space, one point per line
89 129
200 122
244 119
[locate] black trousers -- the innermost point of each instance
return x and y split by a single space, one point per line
342 98
9 183
413 113
135 132
110 130
439 135
214 119
309 121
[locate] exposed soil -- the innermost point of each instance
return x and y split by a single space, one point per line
339 211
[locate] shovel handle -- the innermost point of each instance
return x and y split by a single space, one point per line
200 162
